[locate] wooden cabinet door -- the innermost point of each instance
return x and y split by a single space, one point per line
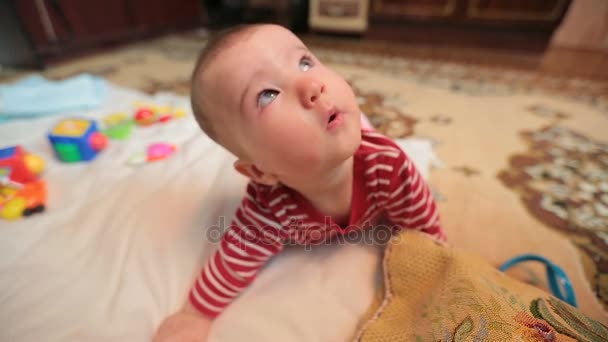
537 13
156 15
60 27
56 24
414 8
44 22
517 14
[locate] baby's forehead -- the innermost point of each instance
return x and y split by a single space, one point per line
262 38
221 86
235 63
240 57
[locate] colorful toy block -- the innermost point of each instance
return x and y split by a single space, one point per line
77 140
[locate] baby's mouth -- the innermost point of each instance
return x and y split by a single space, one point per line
332 113
332 118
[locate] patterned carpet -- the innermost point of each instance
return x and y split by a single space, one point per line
524 156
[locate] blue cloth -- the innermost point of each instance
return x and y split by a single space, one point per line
36 96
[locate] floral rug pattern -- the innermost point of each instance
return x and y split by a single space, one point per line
563 180
476 80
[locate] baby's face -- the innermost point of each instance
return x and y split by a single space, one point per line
291 115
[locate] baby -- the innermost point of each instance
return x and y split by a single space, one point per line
294 126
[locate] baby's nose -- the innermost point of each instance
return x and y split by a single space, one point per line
309 89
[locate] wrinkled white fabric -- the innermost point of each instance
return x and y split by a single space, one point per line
118 246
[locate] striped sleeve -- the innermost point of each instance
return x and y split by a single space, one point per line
410 203
251 240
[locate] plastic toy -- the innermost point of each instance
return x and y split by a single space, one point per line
560 285
145 116
150 114
24 200
22 193
19 166
118 126
77 140
154 152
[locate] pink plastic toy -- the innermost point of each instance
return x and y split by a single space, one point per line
154 152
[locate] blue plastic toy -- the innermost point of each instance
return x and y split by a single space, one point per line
77 140
560 285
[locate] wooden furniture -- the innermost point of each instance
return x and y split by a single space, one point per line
289 13
62 27
17 49
348 16
526 24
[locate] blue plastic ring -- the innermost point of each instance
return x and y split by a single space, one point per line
560 285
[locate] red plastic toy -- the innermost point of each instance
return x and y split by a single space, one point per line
22 193
151 114
145 116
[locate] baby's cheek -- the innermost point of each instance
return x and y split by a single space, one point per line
300 148
342 93
348 92
310 156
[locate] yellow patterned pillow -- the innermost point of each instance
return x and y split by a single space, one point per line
434 293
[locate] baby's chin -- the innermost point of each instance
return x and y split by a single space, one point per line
348 145
354 131
355 141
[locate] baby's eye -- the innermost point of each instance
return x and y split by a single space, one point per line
306 63
266 96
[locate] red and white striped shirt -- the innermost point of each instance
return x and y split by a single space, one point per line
386 184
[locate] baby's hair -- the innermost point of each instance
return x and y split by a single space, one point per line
215 45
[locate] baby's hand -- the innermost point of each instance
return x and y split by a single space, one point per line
183 326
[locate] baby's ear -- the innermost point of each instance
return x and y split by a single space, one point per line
249 170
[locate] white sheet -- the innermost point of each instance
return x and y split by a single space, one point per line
118 247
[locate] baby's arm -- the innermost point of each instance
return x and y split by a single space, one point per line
251 240
410 203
